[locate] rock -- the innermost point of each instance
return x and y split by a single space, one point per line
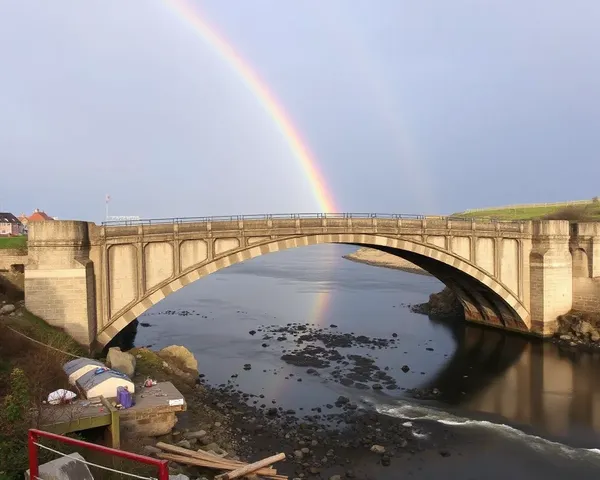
442 304
64 468
181 356
6 309
386 461
335 477
179 476
151 451
586 329
184 444
378 449
298 454
566 338
405 368
121 361
214 448
407 424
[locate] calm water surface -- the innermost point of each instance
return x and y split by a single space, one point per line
506 395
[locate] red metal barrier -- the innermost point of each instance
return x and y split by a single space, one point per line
34 435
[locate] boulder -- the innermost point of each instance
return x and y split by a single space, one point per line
64 468
121 361
181 356
6 309
587 330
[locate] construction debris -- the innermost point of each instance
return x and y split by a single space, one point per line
232 468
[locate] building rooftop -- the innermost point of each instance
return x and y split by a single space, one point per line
39 215
6 217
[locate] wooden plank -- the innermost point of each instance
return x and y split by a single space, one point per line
202 455
265 472
251 468
115 425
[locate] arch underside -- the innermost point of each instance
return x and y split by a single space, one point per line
481 303
484 298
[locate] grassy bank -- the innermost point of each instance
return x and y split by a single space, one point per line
28 373
14 242
589 212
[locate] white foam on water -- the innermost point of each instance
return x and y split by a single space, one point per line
419 412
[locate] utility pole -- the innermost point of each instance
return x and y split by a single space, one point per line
106 212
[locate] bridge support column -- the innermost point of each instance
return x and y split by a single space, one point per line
551 273
59 277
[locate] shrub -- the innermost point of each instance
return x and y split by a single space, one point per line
15 418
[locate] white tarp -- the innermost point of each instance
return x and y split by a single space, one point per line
60 396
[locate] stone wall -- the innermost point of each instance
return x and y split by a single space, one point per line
586 294
12 278
11 256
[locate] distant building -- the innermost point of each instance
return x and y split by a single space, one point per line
10 225
37 216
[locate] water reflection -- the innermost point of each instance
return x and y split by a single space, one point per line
527 381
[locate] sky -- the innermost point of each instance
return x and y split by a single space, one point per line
427 107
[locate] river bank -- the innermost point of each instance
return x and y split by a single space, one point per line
376 258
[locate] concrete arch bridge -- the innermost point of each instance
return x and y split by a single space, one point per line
93 280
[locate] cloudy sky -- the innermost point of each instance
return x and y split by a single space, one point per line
409 107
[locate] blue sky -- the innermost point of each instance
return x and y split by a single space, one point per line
409 107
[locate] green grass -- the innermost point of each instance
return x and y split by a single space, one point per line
582 213
36 328
14 242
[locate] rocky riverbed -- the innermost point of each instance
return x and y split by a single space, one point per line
353 441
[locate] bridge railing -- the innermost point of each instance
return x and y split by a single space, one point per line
266 216
288 216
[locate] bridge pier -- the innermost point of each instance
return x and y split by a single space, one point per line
551 275
59 278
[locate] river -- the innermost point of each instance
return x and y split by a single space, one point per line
505 396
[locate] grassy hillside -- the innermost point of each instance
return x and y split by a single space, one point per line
14 242
576 212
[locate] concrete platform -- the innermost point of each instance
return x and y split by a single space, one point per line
153 414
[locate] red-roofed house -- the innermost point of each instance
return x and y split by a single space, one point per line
39 216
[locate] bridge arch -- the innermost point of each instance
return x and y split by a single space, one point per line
485 299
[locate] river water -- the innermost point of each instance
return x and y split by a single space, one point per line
520 407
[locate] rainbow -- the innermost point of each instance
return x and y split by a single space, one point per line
264 95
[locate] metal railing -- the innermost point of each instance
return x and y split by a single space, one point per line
162 466
282 216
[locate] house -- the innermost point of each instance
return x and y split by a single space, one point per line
39 216
10 225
